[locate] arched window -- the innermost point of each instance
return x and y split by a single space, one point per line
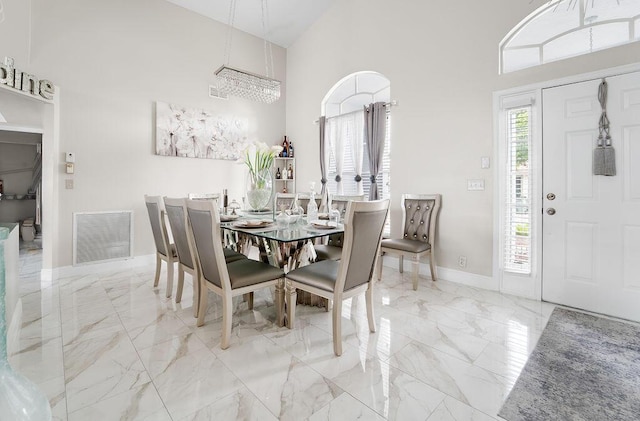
343 107
566 28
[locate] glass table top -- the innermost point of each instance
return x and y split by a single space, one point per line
277 231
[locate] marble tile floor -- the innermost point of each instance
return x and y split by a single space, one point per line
109 346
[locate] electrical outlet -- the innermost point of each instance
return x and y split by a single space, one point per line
462 261
68 183
475 185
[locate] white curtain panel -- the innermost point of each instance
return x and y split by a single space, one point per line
345 134
336 143
357 145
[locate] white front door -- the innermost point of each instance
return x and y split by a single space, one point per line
591 244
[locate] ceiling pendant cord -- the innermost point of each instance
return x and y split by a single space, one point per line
231 19
268 46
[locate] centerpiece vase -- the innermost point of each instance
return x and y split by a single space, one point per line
259 189
20 399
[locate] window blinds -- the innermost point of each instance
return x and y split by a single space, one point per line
517 194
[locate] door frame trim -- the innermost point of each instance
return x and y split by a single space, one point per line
530 286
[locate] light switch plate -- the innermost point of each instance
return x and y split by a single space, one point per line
485 162
68 183
475 185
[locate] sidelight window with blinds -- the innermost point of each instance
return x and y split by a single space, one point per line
517 192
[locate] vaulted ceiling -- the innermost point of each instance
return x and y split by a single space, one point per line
288 19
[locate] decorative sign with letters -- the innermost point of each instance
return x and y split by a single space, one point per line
25 82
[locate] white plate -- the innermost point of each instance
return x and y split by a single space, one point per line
227 218
252 224
323 225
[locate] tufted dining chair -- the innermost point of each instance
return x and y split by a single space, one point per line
352 275
176 211
419 222
165 250
225 279
332 250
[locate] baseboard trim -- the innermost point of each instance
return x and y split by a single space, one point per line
448 274
65 271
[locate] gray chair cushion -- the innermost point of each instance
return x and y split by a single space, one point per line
232 256
328 252
411 246
247 272
321 275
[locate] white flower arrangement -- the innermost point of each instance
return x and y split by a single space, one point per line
258 157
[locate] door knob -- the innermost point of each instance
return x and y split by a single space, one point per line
551 196
551 211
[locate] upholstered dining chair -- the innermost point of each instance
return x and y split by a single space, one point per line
419 222
176 210
304 197
284 200
352 275
332 250
225 279
165 250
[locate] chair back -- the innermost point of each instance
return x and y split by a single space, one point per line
204 196
206 242
363 228
420 217
155 209
176 210
303 199
284 200
341 202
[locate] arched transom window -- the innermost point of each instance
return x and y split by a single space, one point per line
567 28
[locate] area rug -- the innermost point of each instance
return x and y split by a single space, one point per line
583 368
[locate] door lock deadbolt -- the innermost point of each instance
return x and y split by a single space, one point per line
551 196
551 211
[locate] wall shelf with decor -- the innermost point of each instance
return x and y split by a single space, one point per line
286 167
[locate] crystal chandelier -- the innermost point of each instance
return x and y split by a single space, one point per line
243 84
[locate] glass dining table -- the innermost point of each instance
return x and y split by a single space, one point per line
284 245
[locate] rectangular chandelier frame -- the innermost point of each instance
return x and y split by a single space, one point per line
247 85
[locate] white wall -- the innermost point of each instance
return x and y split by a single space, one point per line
442 61
112 61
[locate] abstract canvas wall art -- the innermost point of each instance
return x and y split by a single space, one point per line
197 133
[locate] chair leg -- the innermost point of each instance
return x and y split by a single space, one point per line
180 283
291 296
401 264
249 299
414 274
370 315
156 280
169 278
380 266
227 307
196 295
279 299
337 327
433 267
202 306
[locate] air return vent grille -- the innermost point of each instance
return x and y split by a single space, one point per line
102 236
